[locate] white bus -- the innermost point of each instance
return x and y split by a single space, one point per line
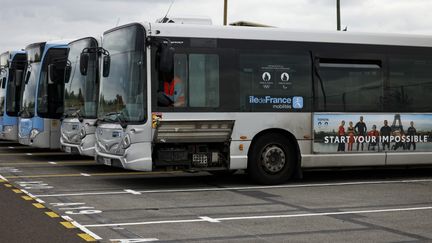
266 100
80 97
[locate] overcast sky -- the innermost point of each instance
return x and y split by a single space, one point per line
27 21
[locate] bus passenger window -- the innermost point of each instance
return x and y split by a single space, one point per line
350 85
195 82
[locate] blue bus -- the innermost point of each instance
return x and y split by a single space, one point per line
42 94
12 66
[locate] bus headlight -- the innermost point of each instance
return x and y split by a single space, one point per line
83 132
126 142
33 133
7 129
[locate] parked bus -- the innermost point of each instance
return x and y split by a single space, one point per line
42 94
266 100
12 66
80 98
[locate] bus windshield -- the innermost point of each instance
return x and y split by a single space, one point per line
81 91
122 92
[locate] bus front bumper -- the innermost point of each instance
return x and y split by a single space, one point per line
86 147
136 157
9 133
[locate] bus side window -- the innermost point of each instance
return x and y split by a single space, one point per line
174 88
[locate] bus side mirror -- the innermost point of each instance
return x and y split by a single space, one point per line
27 77
166 59
51 74
3 82
84 60
68 71
106 65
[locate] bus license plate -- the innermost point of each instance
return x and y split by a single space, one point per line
68 149
107 161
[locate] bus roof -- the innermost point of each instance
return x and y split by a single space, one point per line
282 34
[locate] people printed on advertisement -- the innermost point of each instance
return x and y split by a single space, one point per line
361 130
331 135
341 134
411 132
385 134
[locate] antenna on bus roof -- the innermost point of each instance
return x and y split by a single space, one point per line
165 19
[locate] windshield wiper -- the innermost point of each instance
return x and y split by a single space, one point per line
118 117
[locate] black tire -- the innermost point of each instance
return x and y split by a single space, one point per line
271 159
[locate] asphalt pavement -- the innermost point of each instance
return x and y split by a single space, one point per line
114 205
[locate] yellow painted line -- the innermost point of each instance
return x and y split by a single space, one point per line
68 225
87 237
27 198
8 185
17 191
52 214
2 181
95 174
38 205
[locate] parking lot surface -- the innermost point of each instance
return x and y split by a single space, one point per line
113 205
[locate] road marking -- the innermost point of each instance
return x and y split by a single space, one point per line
93 174
211 220
73 162
82 228
85 174
29 154
38 205
2 179
27 198
68 225
52 162
205 219
132 192
11 147
52 215
238 188
134 240
87 237
17 191
8 185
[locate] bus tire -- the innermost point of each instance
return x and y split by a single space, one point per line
272 159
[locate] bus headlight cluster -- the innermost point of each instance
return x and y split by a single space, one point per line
83 132
126 142
7 129
33 133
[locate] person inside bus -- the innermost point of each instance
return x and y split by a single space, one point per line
341 133
361 131
174 90
385 132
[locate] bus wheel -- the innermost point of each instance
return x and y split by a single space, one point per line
271 160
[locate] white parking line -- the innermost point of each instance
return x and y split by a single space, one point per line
216 220
85 174
134 240
132 192
237 188
1 177
82 228
52 162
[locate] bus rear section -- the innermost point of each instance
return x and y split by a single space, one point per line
42 95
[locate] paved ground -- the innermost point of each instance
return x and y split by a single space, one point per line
326 206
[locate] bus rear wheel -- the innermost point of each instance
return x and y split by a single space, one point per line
271 160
